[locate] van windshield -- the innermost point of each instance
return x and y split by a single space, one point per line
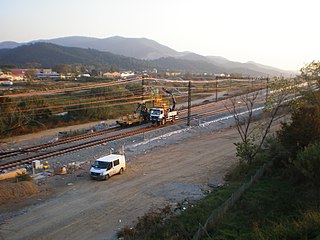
102 165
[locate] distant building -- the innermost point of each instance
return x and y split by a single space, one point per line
126 75
45 70
219 75
48 75
18 72
172 74
10 77
84 75
112 75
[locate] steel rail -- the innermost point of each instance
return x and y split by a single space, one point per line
54 153
197 115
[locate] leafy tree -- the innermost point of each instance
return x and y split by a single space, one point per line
303 129
23 114
11 118
308 84
62 68
308 162
311 72
83 68
253 134
31 73
94 72
274 150
246 148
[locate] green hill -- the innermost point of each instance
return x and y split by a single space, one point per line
48 55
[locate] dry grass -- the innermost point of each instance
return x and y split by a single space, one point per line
10 190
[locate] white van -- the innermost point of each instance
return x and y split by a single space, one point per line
105 167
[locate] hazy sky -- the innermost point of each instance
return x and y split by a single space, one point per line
280 33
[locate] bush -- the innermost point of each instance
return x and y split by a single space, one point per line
246 150
304 129
274 151
238 173
308 163
305 227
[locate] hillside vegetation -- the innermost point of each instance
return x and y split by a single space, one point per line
283 204
48 55
134 53
147 49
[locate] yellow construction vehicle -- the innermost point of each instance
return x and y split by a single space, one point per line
135 118
162 112
159 113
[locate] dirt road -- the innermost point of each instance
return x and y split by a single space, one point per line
97 209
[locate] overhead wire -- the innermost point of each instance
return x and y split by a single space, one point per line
64 97
90 100
61 90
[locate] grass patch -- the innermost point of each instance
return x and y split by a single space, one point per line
273 208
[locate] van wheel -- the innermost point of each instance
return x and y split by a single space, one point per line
106 177
121 171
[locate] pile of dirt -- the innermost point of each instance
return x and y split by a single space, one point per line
11 191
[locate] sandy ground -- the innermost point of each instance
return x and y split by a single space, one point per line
98 209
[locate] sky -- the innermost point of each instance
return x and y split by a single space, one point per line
279 33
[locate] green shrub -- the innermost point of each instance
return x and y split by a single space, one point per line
304 129
274 151
237 173
308 163
305 227
246 150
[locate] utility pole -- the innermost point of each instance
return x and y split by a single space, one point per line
142 89
189 103
216 90
267 89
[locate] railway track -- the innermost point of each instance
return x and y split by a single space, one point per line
25 150
199 112
61 151
21 151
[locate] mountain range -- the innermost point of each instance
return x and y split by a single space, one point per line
127 53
